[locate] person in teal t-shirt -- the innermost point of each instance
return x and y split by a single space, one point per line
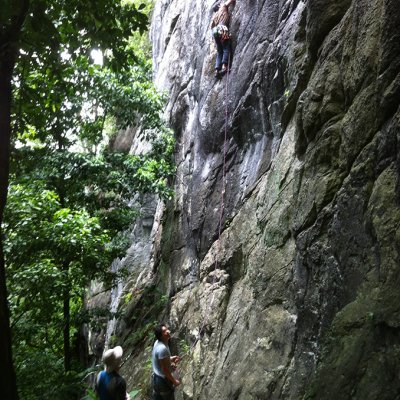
164 381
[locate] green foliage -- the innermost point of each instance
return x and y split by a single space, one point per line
134 393
148 367
40 370
71 197
41 238
34 364
184 347
139 334
113 341
140 43
75 103
90 395
104 183
80 25
149 304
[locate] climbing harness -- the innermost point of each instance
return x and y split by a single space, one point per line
221 32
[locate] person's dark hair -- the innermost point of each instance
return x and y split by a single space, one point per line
158 331
216 6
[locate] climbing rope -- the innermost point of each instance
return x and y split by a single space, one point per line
222 206
221 214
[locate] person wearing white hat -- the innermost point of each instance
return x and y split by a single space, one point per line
110 385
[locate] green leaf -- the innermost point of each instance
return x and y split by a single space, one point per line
134 393
70 194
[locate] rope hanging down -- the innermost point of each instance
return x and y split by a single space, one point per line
222 205
221 214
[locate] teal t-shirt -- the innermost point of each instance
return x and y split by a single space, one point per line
160 351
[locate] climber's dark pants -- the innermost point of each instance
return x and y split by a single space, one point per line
223 51
162 389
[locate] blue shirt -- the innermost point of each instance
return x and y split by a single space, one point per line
110 386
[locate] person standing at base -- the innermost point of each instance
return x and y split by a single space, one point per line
164 382
110 385
220 32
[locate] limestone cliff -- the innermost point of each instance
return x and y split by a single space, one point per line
277 263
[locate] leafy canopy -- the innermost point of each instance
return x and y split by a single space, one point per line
71 193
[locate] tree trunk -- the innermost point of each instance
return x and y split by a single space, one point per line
67 323
8 52
7 377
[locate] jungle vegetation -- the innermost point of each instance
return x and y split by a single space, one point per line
70 194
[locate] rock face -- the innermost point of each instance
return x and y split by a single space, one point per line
279 256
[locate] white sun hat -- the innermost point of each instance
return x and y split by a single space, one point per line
112 358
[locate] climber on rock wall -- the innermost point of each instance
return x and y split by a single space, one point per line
220 32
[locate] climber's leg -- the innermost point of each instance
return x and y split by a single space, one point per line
220 52
226 50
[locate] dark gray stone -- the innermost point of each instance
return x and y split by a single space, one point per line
279 254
